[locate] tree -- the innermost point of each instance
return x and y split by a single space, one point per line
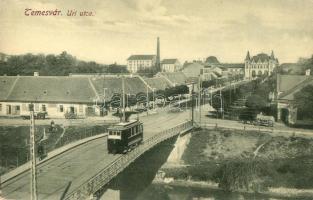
256 102
54 65
304 101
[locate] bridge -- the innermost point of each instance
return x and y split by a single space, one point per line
83 170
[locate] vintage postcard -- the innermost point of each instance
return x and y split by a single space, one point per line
156 99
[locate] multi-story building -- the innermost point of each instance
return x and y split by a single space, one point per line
138 62
170 65
259 65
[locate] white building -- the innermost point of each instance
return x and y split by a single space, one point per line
259 65
138 62
170 65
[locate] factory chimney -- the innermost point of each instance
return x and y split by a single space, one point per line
158 63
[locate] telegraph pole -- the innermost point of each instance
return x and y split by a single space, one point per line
199 102
123 88
148 102
33 155
192 108
222 112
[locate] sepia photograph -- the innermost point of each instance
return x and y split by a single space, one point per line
156 99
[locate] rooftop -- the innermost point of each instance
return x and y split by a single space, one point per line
288 85
169 61
141 57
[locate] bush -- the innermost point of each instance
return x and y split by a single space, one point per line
239 174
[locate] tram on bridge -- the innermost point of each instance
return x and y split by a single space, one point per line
125 136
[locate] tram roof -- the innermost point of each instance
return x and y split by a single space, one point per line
124 125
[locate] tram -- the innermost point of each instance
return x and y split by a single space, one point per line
124 136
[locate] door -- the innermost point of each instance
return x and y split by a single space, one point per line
9 110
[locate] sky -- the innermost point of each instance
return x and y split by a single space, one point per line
188 29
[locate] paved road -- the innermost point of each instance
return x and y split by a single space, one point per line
65 172
279 129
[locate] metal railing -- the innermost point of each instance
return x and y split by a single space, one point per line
96 182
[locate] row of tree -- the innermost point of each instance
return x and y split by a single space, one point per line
54 65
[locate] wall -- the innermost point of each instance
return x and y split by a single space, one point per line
53 110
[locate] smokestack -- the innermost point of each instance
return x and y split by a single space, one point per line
158 63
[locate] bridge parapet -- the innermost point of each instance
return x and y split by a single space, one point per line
96 182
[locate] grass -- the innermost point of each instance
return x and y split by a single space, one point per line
14 141
281 162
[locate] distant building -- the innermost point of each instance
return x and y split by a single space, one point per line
234 68
170 65
138 62
259 65
4 57
211 73
192 70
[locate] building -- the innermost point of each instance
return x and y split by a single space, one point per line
287 87
80 94
139 62
192 70
234 68
170 65
260 65
211 73
54 95
4 57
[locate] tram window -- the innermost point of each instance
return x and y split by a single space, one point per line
140 128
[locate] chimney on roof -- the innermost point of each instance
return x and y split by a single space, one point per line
36 73
308 72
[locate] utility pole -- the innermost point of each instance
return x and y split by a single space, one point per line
123 88
33 155
148 100
199 102
192 108
153 98
222 112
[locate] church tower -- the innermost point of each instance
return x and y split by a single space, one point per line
247 65
158 62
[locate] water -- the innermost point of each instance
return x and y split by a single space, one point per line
165 192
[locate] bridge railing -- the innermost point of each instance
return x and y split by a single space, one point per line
96 182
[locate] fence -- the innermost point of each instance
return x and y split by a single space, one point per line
96 182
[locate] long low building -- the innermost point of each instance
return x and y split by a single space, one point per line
61 95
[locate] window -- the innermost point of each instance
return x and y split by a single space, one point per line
30 107
43 108
61 109
0 106
80 108
36 107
